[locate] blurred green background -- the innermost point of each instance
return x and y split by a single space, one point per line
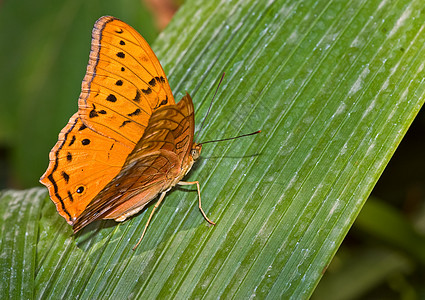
43 56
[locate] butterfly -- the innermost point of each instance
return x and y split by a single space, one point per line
129 141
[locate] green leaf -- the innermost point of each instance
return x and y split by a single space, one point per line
333 85
20 213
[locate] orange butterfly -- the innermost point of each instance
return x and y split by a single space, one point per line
129 141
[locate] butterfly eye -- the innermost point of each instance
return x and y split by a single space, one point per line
195 154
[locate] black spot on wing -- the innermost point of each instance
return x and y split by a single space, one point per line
137 97
70 196
152 82
147 91
160 79
93 113
134 113
121 54
111 98
163 102
65 176
85 142
72 140
124 123
69 156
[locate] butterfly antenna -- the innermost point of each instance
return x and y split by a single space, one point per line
209 108
232 138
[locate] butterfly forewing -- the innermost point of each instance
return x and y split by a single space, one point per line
124 82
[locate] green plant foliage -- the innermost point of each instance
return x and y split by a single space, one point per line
333 85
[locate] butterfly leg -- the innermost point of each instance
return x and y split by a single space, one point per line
199 198
150 217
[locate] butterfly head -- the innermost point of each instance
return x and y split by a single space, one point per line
196 151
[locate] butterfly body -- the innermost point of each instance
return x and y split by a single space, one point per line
129 141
